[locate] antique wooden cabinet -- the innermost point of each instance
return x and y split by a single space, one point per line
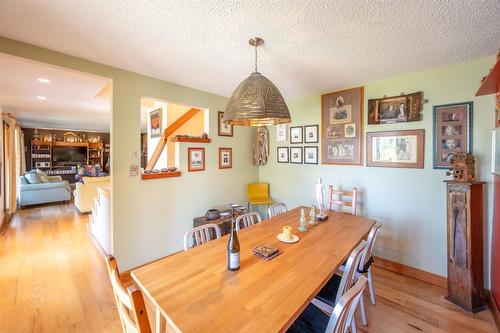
465 244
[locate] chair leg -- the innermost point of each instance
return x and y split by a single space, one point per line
363 310
370 285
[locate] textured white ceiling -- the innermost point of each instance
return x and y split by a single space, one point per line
71 101
311 46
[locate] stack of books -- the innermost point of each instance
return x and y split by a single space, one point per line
266 251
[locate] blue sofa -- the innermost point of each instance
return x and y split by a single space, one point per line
53 191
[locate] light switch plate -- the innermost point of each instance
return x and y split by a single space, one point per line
134 170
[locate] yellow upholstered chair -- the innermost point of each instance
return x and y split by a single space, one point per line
258 194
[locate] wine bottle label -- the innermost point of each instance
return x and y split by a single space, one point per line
234 260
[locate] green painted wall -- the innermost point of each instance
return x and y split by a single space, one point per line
409 202
151 217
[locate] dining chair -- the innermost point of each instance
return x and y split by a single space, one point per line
129 301
336 197
312 319
201 235
258 194
333 290
366 261
277 209
247 220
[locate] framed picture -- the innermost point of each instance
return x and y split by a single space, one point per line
311 134
281 133
196 159
225 158
296 155
155 123
223 129
311 155
283 155
342 127
395 109
395 149
296 134
452 132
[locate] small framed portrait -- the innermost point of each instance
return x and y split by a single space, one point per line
452 132
196 159
283 155
224 129
225 158
311 134
393 110
155 123
296 155
281 133
296 134
311 155
350 130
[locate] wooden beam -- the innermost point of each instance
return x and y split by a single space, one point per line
168 132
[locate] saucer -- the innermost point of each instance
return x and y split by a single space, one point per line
281 238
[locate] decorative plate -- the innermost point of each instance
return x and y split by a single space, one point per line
294 239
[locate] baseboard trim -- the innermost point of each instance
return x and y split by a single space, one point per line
494 309
412 272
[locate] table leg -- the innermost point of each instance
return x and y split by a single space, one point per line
160 322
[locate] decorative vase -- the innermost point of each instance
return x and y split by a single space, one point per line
302 221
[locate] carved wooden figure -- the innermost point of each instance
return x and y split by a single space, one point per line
465 244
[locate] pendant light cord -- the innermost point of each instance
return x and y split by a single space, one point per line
256 55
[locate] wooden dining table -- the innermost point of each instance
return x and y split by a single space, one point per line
193 291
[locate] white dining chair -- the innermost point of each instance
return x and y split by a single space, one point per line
277 209
364 267
333 290
247 220
312 319
201 235
365 264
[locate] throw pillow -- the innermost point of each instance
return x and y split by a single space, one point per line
33 178
43 176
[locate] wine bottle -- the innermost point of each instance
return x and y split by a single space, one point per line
233 249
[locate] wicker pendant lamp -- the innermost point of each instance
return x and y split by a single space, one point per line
256 101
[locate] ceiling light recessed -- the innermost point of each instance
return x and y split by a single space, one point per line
42 98
43 80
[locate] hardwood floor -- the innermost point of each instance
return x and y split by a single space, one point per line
53 280
51 277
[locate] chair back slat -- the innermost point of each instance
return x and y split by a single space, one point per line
201 235
130 302
336 198
277 209
343 313
370 242
349 275
247 220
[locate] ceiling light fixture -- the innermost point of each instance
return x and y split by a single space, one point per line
42 98
256 101
43 80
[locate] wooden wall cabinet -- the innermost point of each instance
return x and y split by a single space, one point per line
465 244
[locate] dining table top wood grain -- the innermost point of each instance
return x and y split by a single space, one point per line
194 291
